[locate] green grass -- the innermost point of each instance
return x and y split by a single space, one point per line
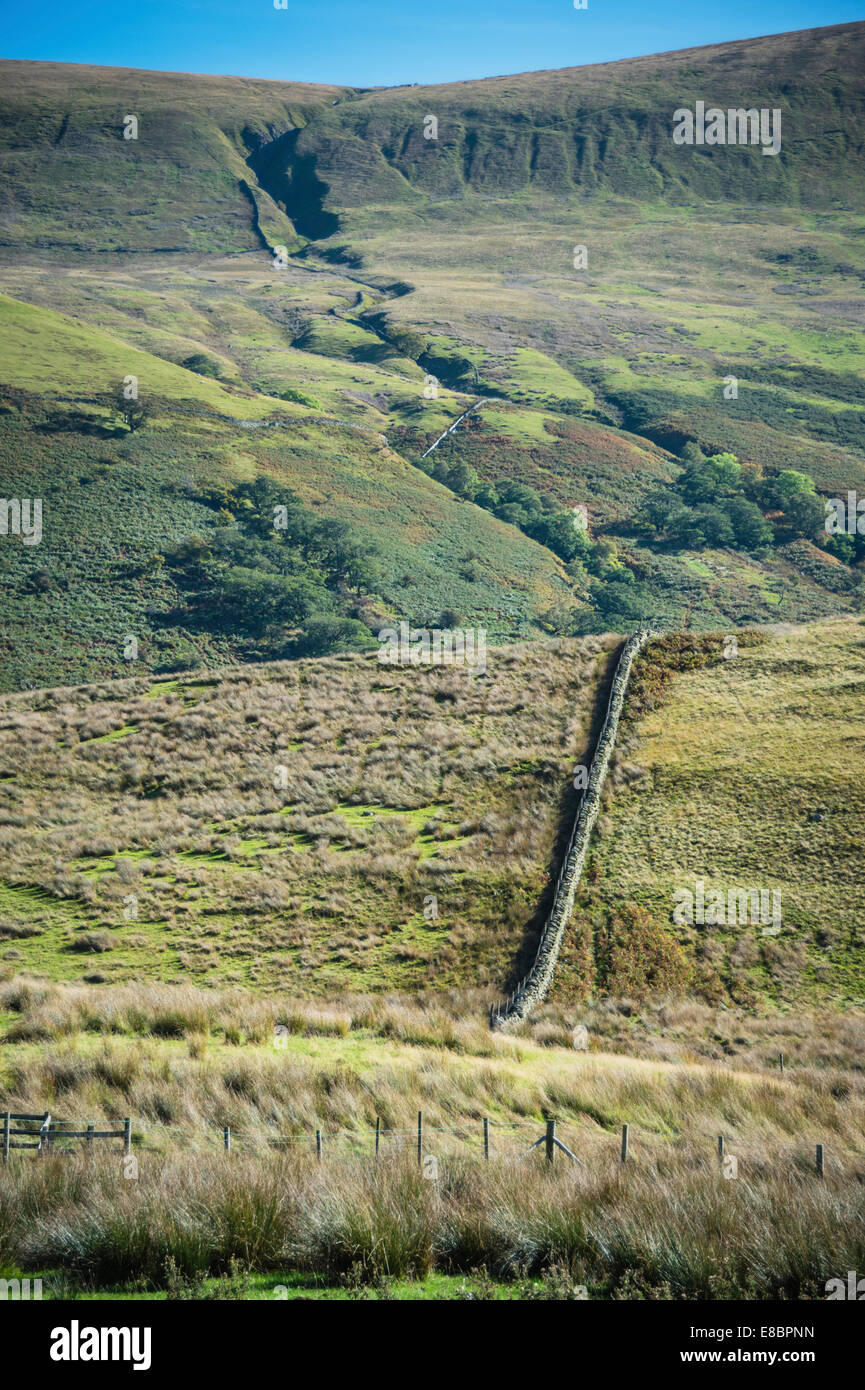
114 502
136 783
289 1285
41 347
744 773
178 186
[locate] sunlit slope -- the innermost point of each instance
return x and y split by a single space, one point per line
603 128
50 355
746 773
708 294
453 257
114 505
73 181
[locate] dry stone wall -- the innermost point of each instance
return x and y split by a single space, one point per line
533 988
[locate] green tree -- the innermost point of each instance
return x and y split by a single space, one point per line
487 497
512 514
715 525
805 514
714 477
521 495
691 453
621 604
752 530
558 532
133 413
464 480
253 600
327 632
658 509
790 483
203 365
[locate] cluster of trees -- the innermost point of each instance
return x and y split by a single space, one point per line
849 549
619 602
717 502
273 575
537 514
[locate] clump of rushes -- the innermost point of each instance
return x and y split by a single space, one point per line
673 1228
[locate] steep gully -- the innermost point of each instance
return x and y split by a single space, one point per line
302 197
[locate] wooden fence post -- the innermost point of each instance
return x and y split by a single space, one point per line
90 1129
720 1148
127 1136
551 1140
625 1133
819 1160
781 1062
419 1138
487 1140
226 1138
377 1133
7 1122
318 1144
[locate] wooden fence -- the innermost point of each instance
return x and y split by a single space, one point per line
41 1133
549 1139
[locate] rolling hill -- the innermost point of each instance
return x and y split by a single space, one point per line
258 889
337 824
309 292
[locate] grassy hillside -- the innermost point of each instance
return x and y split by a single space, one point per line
220 813
181 184
116 502
514 133
406 842
411 259
405 790
701 265
42 348
742 772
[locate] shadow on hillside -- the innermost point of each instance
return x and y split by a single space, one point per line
73 422
569 805
292 181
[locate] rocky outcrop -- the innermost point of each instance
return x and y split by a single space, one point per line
534 986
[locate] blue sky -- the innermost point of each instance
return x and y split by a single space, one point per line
383 42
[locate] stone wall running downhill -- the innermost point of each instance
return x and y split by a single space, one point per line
534 986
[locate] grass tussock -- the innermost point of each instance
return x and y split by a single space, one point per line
668 1230
39 1011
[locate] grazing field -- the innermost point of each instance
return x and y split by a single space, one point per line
741 772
